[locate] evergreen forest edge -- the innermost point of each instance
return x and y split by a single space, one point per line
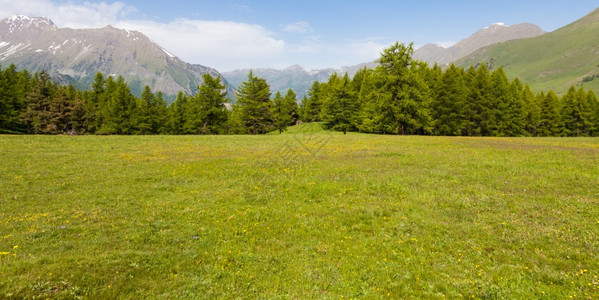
400 96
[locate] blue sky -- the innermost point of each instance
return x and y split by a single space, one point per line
315 34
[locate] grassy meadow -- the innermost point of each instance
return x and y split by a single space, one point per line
305 214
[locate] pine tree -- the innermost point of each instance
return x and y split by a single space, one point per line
59 113
96 102
281 112
159 110
403 97
532 111
37 115
144 112
176 114
551 123
291 102
253 101
340 109
576 113
312 106
212 96
450 101
594 104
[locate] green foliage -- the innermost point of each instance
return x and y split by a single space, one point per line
401 96
312 105
212 96
340 108
285 110
255 105
450 102
577 113
551 122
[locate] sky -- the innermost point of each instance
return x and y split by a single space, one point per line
315 34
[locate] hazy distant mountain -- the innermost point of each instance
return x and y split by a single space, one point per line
496 33
294 77
76 55
556 60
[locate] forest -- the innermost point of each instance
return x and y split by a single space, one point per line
401 96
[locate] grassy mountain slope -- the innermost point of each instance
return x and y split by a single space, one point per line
555 60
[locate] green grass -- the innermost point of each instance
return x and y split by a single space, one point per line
307 214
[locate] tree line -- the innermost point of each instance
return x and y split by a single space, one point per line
405 96
34 104
400 96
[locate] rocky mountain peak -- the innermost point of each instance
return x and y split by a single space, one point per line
492 34
19 22
78 54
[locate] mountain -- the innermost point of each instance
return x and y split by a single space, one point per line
300 80
76 55
496 33
294 77
556 60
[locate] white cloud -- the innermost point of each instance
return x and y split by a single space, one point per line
223 45
87 15
298 27
242 7
219 44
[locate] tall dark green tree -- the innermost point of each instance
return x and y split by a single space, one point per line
594 103
551 123
576 113
176 114
532 111
255 105
340 109
14 87
212 96
37 114
450 102
312 105
281 113
404 98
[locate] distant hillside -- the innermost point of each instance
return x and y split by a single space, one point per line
76 55
496 33
556 60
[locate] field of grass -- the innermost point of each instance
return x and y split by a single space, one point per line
306 214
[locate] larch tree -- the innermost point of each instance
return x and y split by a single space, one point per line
255 105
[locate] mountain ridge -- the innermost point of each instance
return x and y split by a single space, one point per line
492 34
556 60
76 55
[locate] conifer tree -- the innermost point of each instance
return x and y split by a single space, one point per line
37 114
176 114
594 104
255 105
576 113
450 101
532 111
281 112
212 96
403 98
291 102
551 123
340 107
